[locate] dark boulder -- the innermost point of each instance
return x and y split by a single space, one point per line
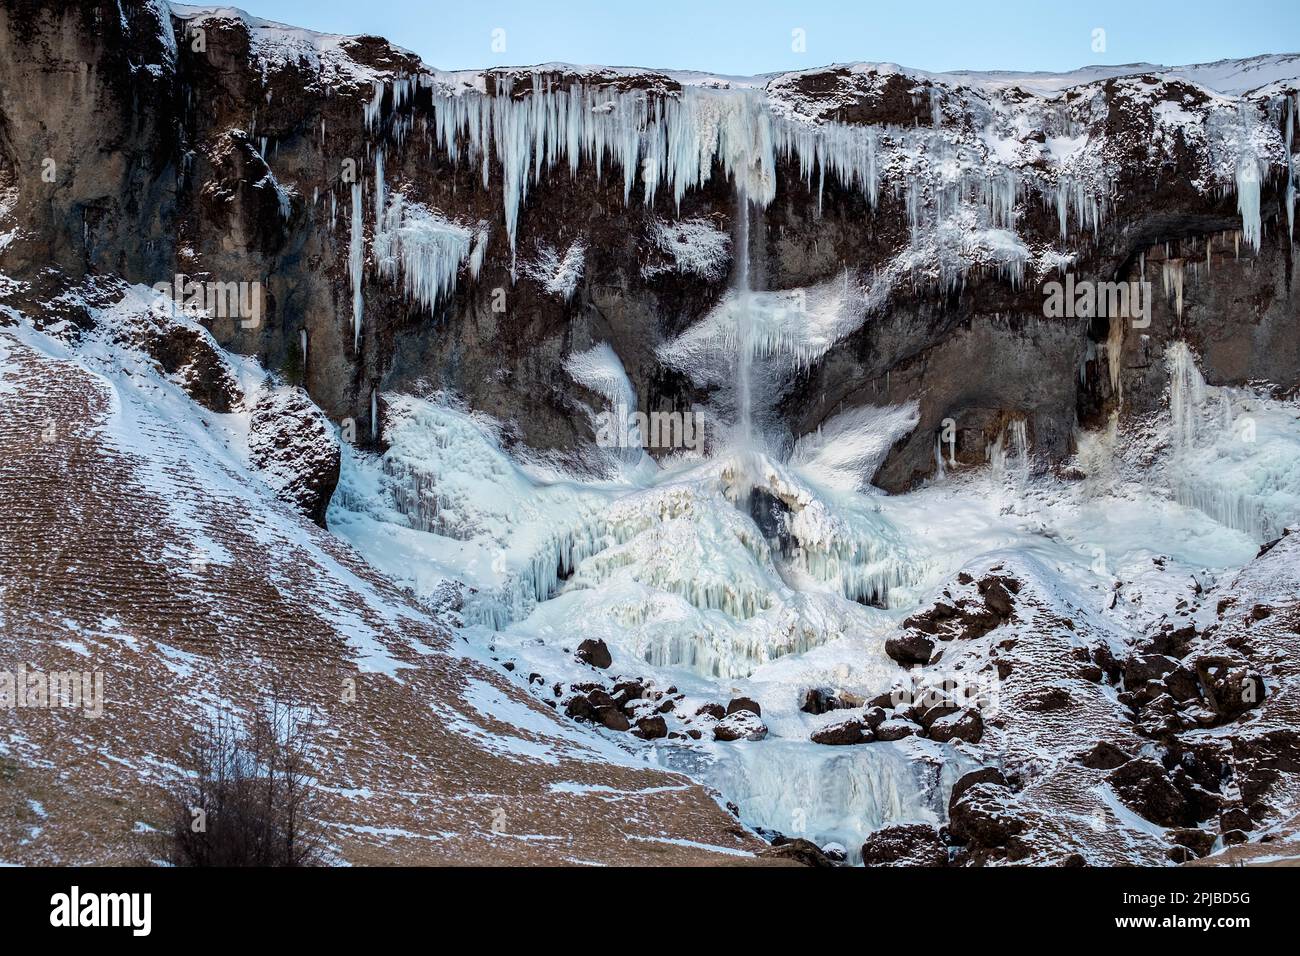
844 732
804 852
896 729
595 653
744 703
1145 788
965 725
651 728
1104 756
908 844
985 816
974 777
909 648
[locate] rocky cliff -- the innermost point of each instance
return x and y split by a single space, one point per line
471 231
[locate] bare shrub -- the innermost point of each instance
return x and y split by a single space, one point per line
252 799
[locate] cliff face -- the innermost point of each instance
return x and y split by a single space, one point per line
470 232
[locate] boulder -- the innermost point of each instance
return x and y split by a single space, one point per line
1141 668
910 647
1144 787
965 725
742 725
984 816
851 731
974 777
744 703
907 844
295 450
1199 842
820 700
626 691
896 729
1046 699
1104 756
594 652
800 851
651 728
835 852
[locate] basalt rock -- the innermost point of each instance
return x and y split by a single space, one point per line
911 844
595 653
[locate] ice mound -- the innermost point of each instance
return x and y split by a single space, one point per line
680 570
1233 454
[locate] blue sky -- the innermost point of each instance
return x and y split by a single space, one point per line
757 36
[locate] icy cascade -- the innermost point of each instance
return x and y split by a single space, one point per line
744 328
833 793
1172 277
1232 455
1186 395
693 246
558 274
1009 453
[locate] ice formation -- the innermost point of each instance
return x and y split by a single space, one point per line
423 247
694 246
1232 456
357 264
558 274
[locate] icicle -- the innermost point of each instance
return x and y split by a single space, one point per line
356 264
1186 393
1172 280
380 202
1248 176
1290 169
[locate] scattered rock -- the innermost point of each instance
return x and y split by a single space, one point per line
910 648
850 731
742 725
907 844
801 851
896 729
1104 756
965 725
594 652
651 728
744 703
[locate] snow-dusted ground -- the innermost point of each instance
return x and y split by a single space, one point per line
666 565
